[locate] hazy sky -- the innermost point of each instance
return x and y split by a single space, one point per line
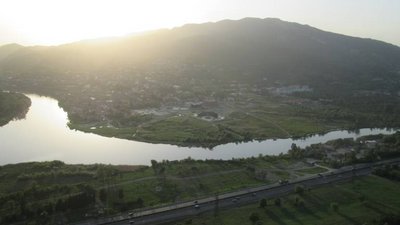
59 21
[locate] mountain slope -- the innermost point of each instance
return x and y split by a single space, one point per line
258 48
6 50
250 79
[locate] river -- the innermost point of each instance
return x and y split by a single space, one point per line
43 135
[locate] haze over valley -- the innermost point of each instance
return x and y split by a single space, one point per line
216 83
199 112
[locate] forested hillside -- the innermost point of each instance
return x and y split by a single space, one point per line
215 82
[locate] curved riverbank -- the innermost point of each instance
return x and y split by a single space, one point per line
44 135
13 106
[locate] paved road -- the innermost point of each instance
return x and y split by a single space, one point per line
234 199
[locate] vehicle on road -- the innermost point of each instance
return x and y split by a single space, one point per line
282 182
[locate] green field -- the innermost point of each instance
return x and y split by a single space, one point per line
277 121
362 201
57 188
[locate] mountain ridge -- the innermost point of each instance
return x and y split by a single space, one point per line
252 75
256 48
195 24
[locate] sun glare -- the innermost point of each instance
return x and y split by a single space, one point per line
52 22
55 22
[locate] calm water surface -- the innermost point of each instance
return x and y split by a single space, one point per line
44 135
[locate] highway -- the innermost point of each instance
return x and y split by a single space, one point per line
234 199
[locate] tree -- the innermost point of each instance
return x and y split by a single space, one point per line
161 171
299 189
43 218
263 203
278 202
296 152
103 195
335 206
216 208
254 217
10 206
154 165
296 201
60 205
140 202
120 193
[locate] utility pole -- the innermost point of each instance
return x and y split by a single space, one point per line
216 209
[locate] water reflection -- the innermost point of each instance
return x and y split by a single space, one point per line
44 135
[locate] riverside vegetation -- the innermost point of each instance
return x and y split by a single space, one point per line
50 192
13 106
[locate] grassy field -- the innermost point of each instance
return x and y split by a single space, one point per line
312 170
270 119
191 179
51 186
359 202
